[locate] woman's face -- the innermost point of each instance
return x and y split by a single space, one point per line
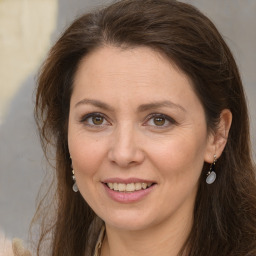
137 137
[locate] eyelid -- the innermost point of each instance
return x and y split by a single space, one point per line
94 114
153 115
85 117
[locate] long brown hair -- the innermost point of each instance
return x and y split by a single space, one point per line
225 212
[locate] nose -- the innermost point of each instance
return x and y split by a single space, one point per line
125 147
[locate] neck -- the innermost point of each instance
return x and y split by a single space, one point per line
162 239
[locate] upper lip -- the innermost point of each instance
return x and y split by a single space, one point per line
127 181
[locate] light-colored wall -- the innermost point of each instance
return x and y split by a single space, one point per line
25 36
27 29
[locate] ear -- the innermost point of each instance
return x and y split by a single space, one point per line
217 139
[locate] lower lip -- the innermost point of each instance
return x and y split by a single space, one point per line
128 197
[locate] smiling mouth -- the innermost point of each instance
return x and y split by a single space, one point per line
130 187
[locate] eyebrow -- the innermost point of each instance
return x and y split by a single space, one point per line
141 108
160 104
95 103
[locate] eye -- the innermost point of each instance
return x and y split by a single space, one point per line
159 120
95 119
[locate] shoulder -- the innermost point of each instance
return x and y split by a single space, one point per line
12 248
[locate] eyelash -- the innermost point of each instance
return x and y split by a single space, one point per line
85 119
170 120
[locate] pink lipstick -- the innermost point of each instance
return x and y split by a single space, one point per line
128 190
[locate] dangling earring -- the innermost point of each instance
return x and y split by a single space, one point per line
75 188
211 175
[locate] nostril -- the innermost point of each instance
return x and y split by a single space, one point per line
126 157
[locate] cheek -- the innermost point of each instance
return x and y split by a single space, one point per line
87 154
87 157
180 159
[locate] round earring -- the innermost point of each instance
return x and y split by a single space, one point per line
211 175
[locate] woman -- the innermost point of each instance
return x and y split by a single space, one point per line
144 106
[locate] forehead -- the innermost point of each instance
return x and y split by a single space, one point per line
141 64
136 73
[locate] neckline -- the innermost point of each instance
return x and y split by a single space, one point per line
98 246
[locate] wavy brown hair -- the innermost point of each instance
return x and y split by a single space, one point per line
225 212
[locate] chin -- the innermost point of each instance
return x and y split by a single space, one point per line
132 221
129 225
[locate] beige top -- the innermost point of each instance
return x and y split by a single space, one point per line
100 241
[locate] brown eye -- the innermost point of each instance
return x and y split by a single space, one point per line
94 120
159 121
97 120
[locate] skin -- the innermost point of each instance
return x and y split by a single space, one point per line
125 141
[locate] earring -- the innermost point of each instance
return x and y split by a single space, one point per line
211 175
75 187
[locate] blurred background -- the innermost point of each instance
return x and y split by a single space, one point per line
27 30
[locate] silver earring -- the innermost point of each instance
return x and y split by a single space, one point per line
75 187
211 175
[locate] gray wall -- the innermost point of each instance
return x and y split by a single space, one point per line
21 160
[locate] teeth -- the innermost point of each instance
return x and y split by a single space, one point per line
130 187
138 186
121 187
144 185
